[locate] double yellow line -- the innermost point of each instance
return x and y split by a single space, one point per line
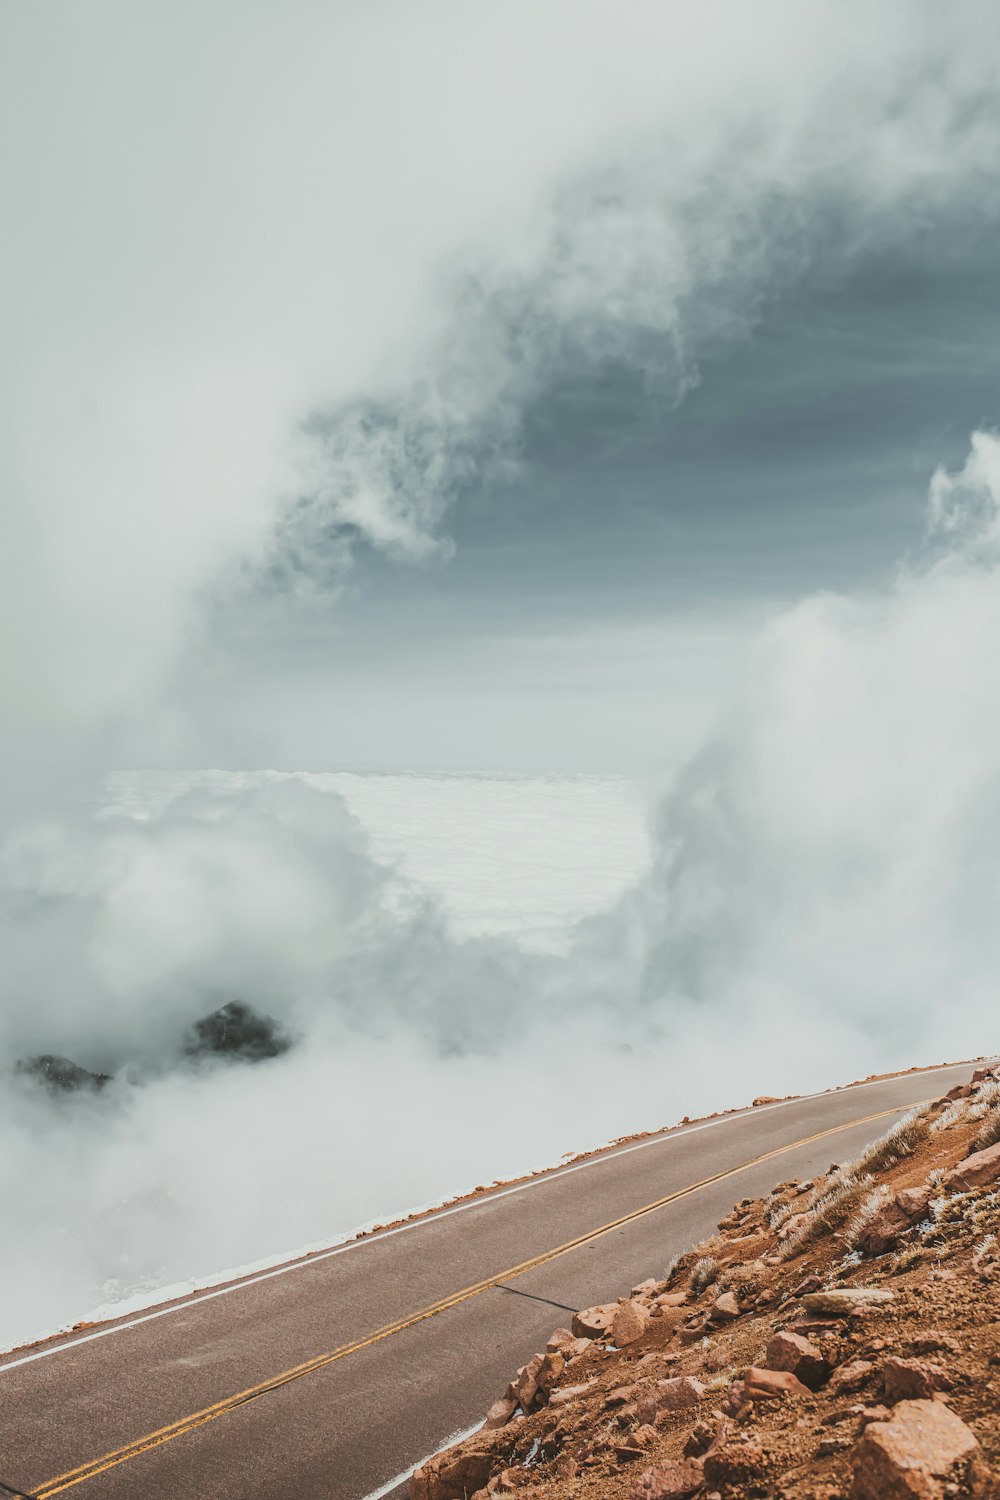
321 1361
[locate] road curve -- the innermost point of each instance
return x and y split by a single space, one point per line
333 1376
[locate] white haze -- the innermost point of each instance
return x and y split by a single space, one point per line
824 885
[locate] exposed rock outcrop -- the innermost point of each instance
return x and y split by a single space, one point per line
856 1357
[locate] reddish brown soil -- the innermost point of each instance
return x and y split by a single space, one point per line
944 1277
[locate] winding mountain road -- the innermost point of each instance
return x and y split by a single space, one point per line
330 1377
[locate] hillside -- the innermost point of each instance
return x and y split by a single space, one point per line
840 1338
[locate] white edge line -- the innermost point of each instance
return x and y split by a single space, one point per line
390 1484
434 1216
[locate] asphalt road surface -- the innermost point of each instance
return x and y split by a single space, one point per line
331 1377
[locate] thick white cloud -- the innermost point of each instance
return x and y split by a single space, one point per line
220 221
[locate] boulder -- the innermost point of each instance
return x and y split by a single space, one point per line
914 1201
977 1170
561 1341
883 1229
594 1322
789 1351
671 1479
500 1412
772 1385
848 1378
809 1284
629 1323
565 1395
725 1308
452 1475
549 1372
557 1340
677 1394
524 1386
671 1299
913 1379
909 1457
738 1462
840 1302
646 1288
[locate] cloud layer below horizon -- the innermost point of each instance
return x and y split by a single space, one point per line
294 349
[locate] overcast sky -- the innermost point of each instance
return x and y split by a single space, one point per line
461 387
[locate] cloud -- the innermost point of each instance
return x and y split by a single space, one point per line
224 373
821 904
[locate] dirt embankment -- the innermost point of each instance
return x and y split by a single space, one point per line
838 1340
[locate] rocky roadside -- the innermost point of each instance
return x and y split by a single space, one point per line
838 1340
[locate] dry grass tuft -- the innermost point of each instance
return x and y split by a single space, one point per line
703 1273
842 1198
986 1098
866 1212
901 1141
989 1131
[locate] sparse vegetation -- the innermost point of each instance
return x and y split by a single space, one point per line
841 1198
989 1131
866 1212
902 1140
703 1273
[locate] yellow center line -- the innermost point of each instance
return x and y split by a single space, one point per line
321 1361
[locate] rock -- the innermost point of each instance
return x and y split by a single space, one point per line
552 1367
960 1091
676 1394
772 1385
593 1322
840 1302
237 1032
883 1229
908 1457
725 1308
557 1340
847 1379
913 1379
975 1171
565 1395
500 1412
810 1284
736 1397
765 1099
452 1475
669 1480
738 1462
629 1323
789 1351
524 1386
60 1075
622 1395
646 1288
671 1299
934 1342
914 1201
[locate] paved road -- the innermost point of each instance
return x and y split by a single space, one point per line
292 1384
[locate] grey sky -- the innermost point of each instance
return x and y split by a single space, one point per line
451 386
618 571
